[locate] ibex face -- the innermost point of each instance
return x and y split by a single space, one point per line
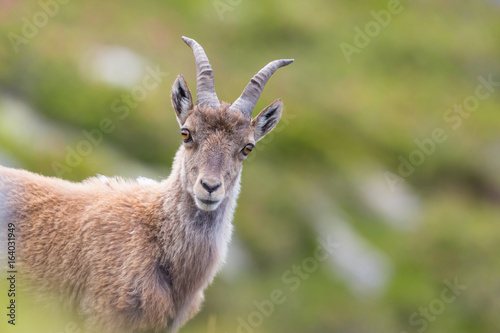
215 142
217 136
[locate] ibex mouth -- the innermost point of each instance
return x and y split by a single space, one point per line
207 204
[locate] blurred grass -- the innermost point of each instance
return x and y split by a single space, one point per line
346 122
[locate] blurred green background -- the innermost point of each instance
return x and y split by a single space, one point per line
372 154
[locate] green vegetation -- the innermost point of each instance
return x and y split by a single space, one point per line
334 168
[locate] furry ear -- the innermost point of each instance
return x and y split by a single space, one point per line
182 101
267 119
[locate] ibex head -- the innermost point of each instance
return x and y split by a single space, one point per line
218 136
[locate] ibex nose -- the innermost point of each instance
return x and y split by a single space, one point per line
210 187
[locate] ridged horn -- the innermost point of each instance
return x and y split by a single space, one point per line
249 97
205 89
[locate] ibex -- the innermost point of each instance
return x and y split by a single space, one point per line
133 256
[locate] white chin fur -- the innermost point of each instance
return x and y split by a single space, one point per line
206 206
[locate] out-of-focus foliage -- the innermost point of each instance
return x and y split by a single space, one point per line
330 170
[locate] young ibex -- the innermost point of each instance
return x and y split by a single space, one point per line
132 256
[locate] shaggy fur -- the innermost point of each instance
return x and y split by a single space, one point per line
132 256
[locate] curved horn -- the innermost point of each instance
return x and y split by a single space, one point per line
249 97
205 90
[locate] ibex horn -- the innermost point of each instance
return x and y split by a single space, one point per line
248 99
205 90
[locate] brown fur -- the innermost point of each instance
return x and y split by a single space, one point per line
127 255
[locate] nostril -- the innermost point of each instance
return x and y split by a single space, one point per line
208 187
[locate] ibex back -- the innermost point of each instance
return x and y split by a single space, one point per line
132 256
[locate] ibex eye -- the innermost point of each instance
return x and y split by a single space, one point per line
247 149
186 135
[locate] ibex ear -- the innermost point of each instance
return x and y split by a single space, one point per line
267 119
182 101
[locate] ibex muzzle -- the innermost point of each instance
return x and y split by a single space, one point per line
209 187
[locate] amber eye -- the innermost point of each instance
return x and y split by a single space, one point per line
247 150
186 135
